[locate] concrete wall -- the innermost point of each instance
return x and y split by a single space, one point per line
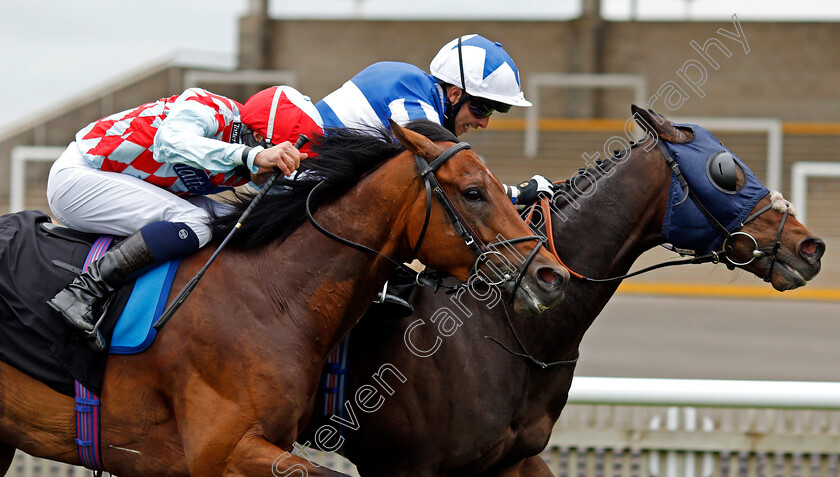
791 71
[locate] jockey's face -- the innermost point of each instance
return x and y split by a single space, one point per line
465 119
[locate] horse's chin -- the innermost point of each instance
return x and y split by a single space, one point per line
528 304
786 277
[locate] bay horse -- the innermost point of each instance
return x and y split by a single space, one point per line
229 381
458 403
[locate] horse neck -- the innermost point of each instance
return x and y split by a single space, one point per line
326 285
612 227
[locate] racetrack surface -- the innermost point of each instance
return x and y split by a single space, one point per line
714 338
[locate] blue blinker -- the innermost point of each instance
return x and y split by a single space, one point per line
710 169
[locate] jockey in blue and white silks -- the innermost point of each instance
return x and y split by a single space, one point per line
388 89
471 77
468 73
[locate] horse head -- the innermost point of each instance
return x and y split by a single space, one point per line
473 231
717 205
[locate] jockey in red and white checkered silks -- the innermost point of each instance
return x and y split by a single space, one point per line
145 173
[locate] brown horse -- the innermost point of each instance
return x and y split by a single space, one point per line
229 382
457 403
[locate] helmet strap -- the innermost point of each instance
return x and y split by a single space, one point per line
461 66
452 111
246 136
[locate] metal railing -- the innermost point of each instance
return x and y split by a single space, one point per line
632 427
800 172
21 155
628 427
537 81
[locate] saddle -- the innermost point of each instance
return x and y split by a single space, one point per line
37 260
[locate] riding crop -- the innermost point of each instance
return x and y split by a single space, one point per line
188 288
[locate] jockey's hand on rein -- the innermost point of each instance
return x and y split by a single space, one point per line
285 156
528 192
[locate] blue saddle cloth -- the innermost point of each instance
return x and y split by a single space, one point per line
134 332
35 264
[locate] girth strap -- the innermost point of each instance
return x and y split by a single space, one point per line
87 428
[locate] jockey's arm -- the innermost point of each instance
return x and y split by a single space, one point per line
186 136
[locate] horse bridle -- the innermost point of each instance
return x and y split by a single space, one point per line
729 236
711 257
714 256
470 237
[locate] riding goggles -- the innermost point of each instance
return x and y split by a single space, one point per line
483 108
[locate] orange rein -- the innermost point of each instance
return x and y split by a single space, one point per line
546 211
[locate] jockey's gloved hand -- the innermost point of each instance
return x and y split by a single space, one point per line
530 191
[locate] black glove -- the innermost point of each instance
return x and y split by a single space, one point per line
528 192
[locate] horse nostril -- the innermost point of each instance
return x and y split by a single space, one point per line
550 276
811 248
547 275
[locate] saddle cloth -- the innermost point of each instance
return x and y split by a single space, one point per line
34 338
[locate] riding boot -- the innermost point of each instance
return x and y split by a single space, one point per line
81 302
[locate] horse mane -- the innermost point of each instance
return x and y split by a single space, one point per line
344 155
575 186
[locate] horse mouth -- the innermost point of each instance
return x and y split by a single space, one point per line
789 278
528 303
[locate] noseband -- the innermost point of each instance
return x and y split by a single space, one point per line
726 247
467 233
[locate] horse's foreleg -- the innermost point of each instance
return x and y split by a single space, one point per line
255 456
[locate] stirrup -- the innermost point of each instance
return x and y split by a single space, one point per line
392 305
95 339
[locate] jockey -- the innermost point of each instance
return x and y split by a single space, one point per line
144 173
471 78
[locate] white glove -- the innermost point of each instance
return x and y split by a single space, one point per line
528 192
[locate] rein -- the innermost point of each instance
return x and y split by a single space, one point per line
467 233
525 353
712 257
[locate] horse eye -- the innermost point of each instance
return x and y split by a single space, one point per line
473 194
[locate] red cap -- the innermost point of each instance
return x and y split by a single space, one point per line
281 113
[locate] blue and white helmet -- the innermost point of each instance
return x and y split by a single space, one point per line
481 68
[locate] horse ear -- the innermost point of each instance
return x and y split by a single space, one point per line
414 142
659 126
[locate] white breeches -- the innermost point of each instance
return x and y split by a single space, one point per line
91 200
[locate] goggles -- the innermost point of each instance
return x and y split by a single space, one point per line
483 108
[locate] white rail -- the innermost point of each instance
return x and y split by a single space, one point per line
632 427
25 465
637 83
705 393
17 178
800 172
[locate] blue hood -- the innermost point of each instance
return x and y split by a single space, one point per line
685 226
